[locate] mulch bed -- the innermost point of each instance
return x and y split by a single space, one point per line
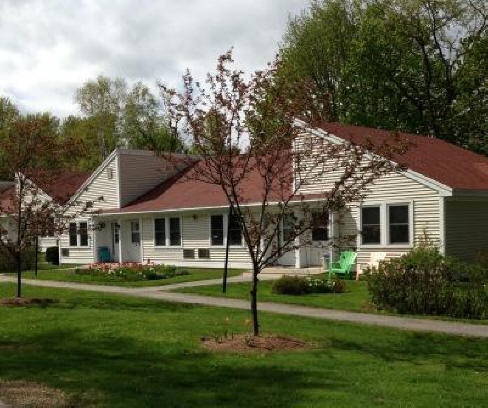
29 394
249 343
22 301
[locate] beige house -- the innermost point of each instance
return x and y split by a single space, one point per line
144 210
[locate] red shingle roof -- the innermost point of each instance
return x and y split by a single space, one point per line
439 160
60 186
183 191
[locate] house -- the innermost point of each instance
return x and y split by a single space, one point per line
144 209
56 187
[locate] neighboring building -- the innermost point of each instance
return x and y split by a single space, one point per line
145 209
58 188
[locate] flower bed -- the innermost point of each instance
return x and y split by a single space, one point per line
131 271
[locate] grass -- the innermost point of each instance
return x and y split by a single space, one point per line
356 298
69 275
111 351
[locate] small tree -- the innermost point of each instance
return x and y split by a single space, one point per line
31 211
248 142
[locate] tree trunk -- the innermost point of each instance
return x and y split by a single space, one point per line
226 265
37 251
19 273
254 301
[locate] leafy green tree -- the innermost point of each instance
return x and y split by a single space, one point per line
145 126
412 65
102 102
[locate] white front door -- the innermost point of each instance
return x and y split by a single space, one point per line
133 246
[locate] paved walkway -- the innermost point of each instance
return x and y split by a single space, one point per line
162 293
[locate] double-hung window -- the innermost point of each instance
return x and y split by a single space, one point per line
174 231
319 229
135 232
235 234
386 224
371 225
160 231
398 224
83 234
217 230
288 229
73 234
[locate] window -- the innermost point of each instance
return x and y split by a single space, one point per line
217 230
235 235
73 235
174 232
160 231
83 234
399 229
134 232
370 228
204 253
189 254
288 228
319 229
110 173
116 230
65 252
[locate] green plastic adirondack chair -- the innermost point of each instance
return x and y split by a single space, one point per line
343 267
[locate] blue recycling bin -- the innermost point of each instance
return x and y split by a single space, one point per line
104 254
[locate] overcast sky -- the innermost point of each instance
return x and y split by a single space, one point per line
48 48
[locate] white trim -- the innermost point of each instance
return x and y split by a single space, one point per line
168 237
442 225
154 231
141 239
89 180
384 225
118 184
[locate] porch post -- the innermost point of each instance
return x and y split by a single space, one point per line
94 241
119 221
298 258
141 233
332 236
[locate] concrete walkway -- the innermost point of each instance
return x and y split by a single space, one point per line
398 322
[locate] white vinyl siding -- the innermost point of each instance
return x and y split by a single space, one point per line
392 188
466 228
195 227
140 171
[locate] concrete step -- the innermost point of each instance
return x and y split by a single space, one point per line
278 272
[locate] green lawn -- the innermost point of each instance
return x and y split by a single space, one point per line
113 351
356 298
68 275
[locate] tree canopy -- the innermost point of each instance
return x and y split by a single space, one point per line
412 65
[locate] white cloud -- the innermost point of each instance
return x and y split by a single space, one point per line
48 48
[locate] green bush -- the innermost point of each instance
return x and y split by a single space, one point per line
291 285
52 255
295 285
9 264
425 282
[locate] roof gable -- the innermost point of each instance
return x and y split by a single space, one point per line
436 159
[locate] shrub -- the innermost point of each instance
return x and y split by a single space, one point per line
8 263
295 285
291 285
52 255
425 282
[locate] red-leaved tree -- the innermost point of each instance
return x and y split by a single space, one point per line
247 140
